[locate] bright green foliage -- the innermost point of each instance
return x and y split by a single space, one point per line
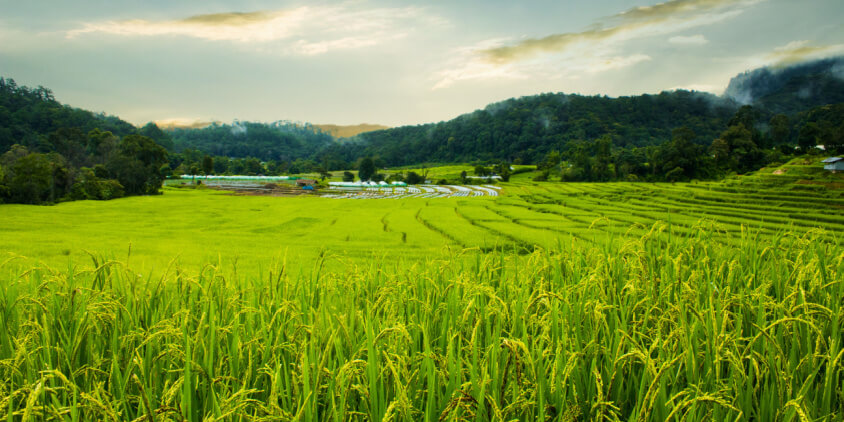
651 328
554 301
201 226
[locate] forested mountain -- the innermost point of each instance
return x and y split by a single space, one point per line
279 141
50 152
527 128
790 90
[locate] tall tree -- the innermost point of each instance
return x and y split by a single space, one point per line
366 169
603 158
207 165
780 129
808 137
744 154
720 151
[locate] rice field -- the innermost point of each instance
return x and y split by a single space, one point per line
555 302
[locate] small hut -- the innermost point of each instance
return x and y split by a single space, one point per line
834 164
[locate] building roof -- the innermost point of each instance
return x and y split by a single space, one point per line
832 160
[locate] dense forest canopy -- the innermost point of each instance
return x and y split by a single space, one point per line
28 114
526 129
51 152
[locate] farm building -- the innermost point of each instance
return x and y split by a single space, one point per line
834 164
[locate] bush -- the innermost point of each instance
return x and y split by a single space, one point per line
110 189
674 175
541 177
413 178
88 186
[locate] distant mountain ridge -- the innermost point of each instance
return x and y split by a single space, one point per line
527 128
522 129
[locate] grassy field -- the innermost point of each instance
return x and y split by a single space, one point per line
615 301
196 227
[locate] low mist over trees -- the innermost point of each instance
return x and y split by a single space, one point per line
279 141
790 90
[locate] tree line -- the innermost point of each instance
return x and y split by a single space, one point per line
742 146
53 152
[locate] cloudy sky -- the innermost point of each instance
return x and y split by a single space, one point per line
393 63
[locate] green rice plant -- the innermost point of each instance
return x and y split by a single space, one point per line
650 326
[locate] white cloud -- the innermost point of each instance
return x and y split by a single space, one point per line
319 47
663 18
610 63
793 52
469 65
698 39
305 30
798 51
465 65
598 49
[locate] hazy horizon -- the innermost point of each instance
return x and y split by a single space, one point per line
392 63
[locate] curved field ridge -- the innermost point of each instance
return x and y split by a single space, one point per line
653 328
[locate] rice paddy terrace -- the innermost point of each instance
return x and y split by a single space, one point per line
550 301
417 222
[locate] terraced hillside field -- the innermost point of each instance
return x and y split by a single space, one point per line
553 302
621 209
197 226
